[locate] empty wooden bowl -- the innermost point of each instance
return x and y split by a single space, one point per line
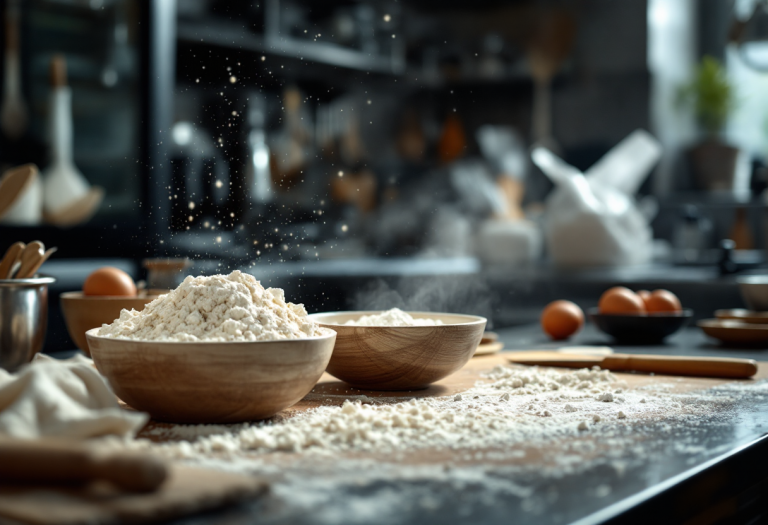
83 312
211 382
404 357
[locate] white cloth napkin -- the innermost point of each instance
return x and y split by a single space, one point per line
67 398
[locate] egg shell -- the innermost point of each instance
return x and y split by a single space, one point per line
109 281
561 319
621 301
663 301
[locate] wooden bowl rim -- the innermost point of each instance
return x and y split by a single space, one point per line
470 319
733 325
176 344
78 295
740 314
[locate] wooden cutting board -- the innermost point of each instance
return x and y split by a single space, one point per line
187 491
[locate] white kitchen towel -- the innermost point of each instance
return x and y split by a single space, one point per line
67 398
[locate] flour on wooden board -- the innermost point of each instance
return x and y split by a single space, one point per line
234 307
393 317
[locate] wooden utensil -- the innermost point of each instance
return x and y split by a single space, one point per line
14 183
658 364
32 270
63 461
12 255
29 257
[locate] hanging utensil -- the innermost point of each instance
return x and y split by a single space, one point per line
14 116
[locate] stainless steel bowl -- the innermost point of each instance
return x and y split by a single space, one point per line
23 319
754 291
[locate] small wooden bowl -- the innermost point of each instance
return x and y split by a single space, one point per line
212 382
404 357
83 312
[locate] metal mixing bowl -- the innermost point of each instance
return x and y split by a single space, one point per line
23 319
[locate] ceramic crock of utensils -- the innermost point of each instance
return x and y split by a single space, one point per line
640 329
23 319
83 312
400 357
211 382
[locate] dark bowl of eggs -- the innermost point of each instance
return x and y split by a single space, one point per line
639 317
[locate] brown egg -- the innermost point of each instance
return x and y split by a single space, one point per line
663 301
109 281
561 319
621 301
645 295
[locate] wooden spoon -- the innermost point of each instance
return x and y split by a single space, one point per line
10 258
33 269
29 257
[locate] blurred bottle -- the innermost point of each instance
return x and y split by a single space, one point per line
257 172
741 234
13 113
691 234
453 140
291 145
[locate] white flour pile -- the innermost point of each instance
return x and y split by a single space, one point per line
393 317
234 307
516 405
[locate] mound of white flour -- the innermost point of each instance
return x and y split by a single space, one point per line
234 307
393 317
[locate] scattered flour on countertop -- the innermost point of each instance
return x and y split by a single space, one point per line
513 406
393 317
511 437
234 307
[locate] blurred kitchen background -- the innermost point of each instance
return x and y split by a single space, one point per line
371 154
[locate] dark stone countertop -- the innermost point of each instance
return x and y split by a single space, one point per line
708 470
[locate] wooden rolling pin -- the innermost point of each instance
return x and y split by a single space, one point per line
658 364
49 461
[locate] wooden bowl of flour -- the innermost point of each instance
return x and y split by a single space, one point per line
211 382
400 357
